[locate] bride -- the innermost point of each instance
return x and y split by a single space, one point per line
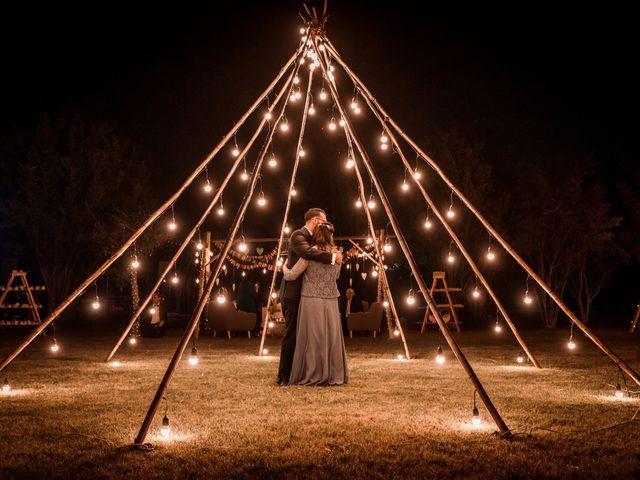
320 357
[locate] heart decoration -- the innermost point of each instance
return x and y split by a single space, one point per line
233 287
259 250
357 266
350 282
364 275
217 282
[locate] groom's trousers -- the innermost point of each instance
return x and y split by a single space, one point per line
290 313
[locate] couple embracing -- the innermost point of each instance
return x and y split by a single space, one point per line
313 350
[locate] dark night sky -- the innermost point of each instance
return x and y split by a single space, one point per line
173 79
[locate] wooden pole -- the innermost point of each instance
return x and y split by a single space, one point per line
588 333
193 231
292 183
634 323
502 426
146 423
152 218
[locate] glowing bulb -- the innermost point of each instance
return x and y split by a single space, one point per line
476 293
262 201
302 30
405 186
153 310
221 298
342 122
236 151
293 97
199 246
244 176
374 273
440 356
332 124
400 357
520 358
174 279
96 304
323 95
387 247
172 225
354 104
619 393
490 255
417 175
220 211
244 274
296 80
350 163
207 187
298 95
384 138
268 116
54 346
371 204
116 364
6 388
497 328
264 270
475 417
451 258
286 229
271 324
358 203
265 351
451 213
385 304
396 333
193 358
165 430
369 240
428 224
284 126
527 299
357 111
274 295
571 345
135 264
242 246
312 110
302 153
384 146
411 299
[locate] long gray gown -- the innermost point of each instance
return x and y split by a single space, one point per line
320 357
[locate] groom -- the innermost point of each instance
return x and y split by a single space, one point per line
300 244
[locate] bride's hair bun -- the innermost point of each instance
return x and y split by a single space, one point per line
326 226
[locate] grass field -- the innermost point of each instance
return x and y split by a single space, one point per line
72 416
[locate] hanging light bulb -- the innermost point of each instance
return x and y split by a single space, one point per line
296 80
165 430
264 270
221 298
261 200
323 95
332 124
220 211
294 192
619 394
411 299
354 104
293 97
312 110
440 356
417 174
153 310
372 203
396 332
172 225
451 258
236 151
135 264
6 387
54 346
387 247
350 163
571 345
475 416
174 279
520 358
96 304
274 295
193 358
428 224
451 213
358 203
243 274
286 229
374 273
268 116
384 138
405 186
279 262
497 328
207 187
490 255
527 299
357 111
244 176
384 146
284 126
298 94
385 304
476 293
242 246
265 351
302 153
199 246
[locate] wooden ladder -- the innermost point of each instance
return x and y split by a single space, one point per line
25 288
446 289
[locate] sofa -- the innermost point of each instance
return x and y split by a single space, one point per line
368 321
223 317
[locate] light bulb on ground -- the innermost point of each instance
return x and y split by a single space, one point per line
358 203
207 188
490 255
268 116
428 224
6 387
172 225
236 151
400 357
96 304
497 328
411 299
284 127
55 348
451 213
571 345
387 247
417 175
451 258
440 356
350 163
520 358
287 229
302 153
396 333
385 304
135 264
116 363
476 293
165 430
265 351
475 417
220 211
174 279
133 340
619 394
193 358
323 94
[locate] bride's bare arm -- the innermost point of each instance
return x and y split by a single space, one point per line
296 271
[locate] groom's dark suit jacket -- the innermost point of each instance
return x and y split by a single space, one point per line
300 247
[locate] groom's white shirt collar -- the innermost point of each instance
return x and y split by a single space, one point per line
310 232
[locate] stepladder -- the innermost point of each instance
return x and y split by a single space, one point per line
18 294
443 295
